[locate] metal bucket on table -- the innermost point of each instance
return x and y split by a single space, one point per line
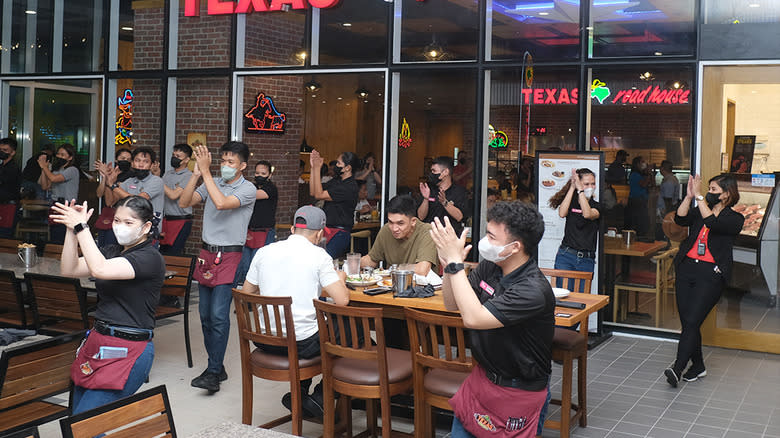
28 255
402 280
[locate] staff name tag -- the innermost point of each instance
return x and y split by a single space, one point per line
486 287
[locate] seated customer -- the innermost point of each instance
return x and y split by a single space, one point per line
403 239
299 268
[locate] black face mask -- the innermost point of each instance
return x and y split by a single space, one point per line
123 165
712 199
123 176
57 162
140 174
4 155
433 179
339 171
175 162
260 180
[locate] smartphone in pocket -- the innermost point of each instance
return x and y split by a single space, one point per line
112 352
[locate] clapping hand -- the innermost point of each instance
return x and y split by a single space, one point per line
70 214
202 158
451 248
316 160
425 191
576 181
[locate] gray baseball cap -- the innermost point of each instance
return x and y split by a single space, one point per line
313 218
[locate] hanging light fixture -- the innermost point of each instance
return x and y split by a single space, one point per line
434 51
362 93
312 85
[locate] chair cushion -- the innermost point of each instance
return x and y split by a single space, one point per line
444 382
565 339
278 362
365 372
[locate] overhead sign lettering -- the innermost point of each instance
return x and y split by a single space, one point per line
223 7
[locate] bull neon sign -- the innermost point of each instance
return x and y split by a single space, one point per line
222 7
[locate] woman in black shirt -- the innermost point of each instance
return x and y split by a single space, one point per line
575 203
703 265
115 358
340 195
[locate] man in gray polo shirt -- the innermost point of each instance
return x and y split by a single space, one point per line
229 202
177 221
141 183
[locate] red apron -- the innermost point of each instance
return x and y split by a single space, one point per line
330 232
212 274
106 219
7 215
256 239
91 372
171 230
489 410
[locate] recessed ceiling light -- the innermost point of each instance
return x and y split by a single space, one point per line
338 98
346 24
127 28
658 53
754 5
30 12
544 13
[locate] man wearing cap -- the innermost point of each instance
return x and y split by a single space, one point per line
299 268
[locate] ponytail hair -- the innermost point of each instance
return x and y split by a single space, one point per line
556 199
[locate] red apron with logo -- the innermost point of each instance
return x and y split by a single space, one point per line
330 232
91 372
256 239
211 272
486 409
171 230
7 215
106 219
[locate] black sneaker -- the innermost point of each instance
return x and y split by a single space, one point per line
222 375
310 409
672 377
207 381
694 374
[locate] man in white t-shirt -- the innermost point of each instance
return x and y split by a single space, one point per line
299 268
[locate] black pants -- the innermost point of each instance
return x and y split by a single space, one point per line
699 288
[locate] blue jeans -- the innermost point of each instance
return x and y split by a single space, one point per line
543 412
570 262
246 258
339 244
458 431
214 310
85 399
177 248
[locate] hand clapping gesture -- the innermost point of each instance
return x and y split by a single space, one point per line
70 214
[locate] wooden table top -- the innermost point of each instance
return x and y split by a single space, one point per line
367 225
615 246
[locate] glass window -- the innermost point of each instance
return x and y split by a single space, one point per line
31 37
363 24
204 41
141 36
444 30
641 28
547 30
82 39
740 29
275 38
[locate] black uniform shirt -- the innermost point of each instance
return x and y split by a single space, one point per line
581 233
456 194
10 182
340 210
264 213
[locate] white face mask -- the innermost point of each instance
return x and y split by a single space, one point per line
127 235
588 192
491 252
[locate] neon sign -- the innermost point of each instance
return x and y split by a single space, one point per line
405 137
223 7
554 96
497 139
655 95
263 117
124 123
599 90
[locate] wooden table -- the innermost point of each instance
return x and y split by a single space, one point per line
367 225
614 246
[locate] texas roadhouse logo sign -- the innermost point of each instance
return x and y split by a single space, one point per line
222 7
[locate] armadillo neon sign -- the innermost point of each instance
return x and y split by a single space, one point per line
222 7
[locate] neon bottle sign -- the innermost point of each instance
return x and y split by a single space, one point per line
223 7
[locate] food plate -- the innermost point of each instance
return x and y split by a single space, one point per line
382 272
357 281
560 292
547 163
559 174
386 283
548 184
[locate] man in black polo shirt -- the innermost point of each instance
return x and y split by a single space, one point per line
441 197
10 183
509 305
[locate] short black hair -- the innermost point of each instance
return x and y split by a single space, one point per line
402 204
236 147
183 147
351 159
265 163
119 151
444 161
10 142
667 165
146 150
522 220
360 183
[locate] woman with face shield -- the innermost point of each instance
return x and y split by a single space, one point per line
116 356
575 203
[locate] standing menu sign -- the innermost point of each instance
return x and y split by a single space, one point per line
742 156
554 170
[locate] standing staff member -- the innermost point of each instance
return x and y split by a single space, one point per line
575 203
229 200
340 195
177 221
62 180
703 265
10 183
441 197
121 167
129 277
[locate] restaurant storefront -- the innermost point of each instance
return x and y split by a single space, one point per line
404 80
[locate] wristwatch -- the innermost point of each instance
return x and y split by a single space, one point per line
580 191
699 197
114 185
453 268
80 227
449 202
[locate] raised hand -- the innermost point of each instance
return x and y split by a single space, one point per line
425 191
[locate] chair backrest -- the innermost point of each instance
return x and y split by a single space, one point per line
37 370
58 298
147 413
9 246
181 281
664 268
30 432
11 301
572 280
437 341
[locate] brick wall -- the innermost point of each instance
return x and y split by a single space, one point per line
272 38
146 112
148 38
204 41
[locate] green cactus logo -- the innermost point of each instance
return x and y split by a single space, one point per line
599 90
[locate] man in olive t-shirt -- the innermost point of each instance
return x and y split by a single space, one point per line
403 239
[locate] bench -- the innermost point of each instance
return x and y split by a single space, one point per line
31 373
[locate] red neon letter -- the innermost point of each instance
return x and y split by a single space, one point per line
538 96
643 95
575 92
563 96
192 8
684 96
618 96
217 7
527 95
323 4
276 5
243 6
550 95
655 95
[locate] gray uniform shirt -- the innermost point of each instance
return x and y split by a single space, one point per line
173 180
68 189
227 227
151 185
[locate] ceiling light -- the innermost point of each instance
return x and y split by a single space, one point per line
544 13
127 28
312 85
30 12
658 53
346 24
338 98
434 52
532 6
362 93
754 5
676 84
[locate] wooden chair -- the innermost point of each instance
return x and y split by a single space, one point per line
30 432
438 346
34 219
569 345
179 286
355 370
648 282
364 234
59 303
144 414
12 310
269 320
9 246
30 374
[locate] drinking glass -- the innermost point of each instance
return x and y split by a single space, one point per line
367 273
353 264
